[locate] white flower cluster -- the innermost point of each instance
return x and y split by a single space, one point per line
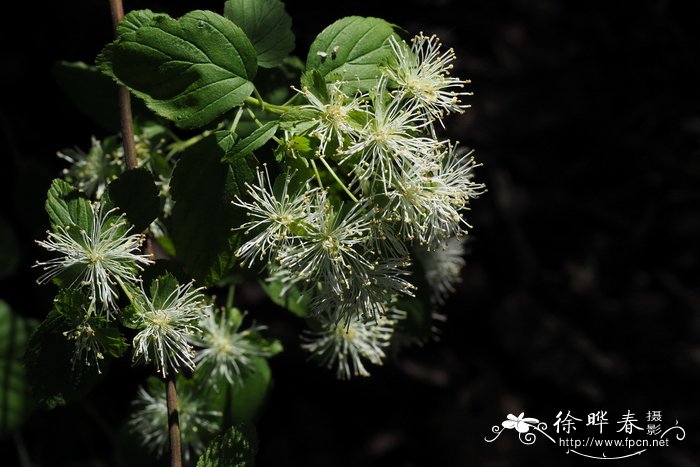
225 350
407 188
150 419
98 259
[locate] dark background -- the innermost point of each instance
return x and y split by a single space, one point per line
581 289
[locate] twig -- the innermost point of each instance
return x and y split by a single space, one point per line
125 118
173 422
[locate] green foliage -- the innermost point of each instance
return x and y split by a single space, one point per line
268 26
14 403
66 206
137 196
135 19
252 142
236 447
351 49
190 70
203 217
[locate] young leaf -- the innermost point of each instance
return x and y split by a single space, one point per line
252 142
14 404
268 26
137 196
66 206
203 216
236 447
352 48
190 70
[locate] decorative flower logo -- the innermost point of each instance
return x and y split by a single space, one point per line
520 423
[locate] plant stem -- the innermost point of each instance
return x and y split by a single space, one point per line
337 179
229 297
275 109
318 175
117 10
173 422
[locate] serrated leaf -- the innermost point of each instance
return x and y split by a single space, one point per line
136 194
314 81
66 206
190 70
161 290
203 216
298 120
14 404
352 48
252 142
52 379
268 26
236 447
135 19
293 300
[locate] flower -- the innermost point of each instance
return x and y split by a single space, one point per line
346 346
91 171
88 347
168 320
390 140
426 204
422 73
521 424
442 266
226 351
149 419
98 259
274 217
331 121
330 250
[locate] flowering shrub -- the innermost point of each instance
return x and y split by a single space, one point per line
334 188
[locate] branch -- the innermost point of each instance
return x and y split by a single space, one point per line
173 422
125 118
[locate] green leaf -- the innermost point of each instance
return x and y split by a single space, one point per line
314 81
135 19
14 403
298 120
161 290
252 142
268 26
9 250
203 216
135 193
247 399
52 379
294 301
66 206
236 447
190 70
352 49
